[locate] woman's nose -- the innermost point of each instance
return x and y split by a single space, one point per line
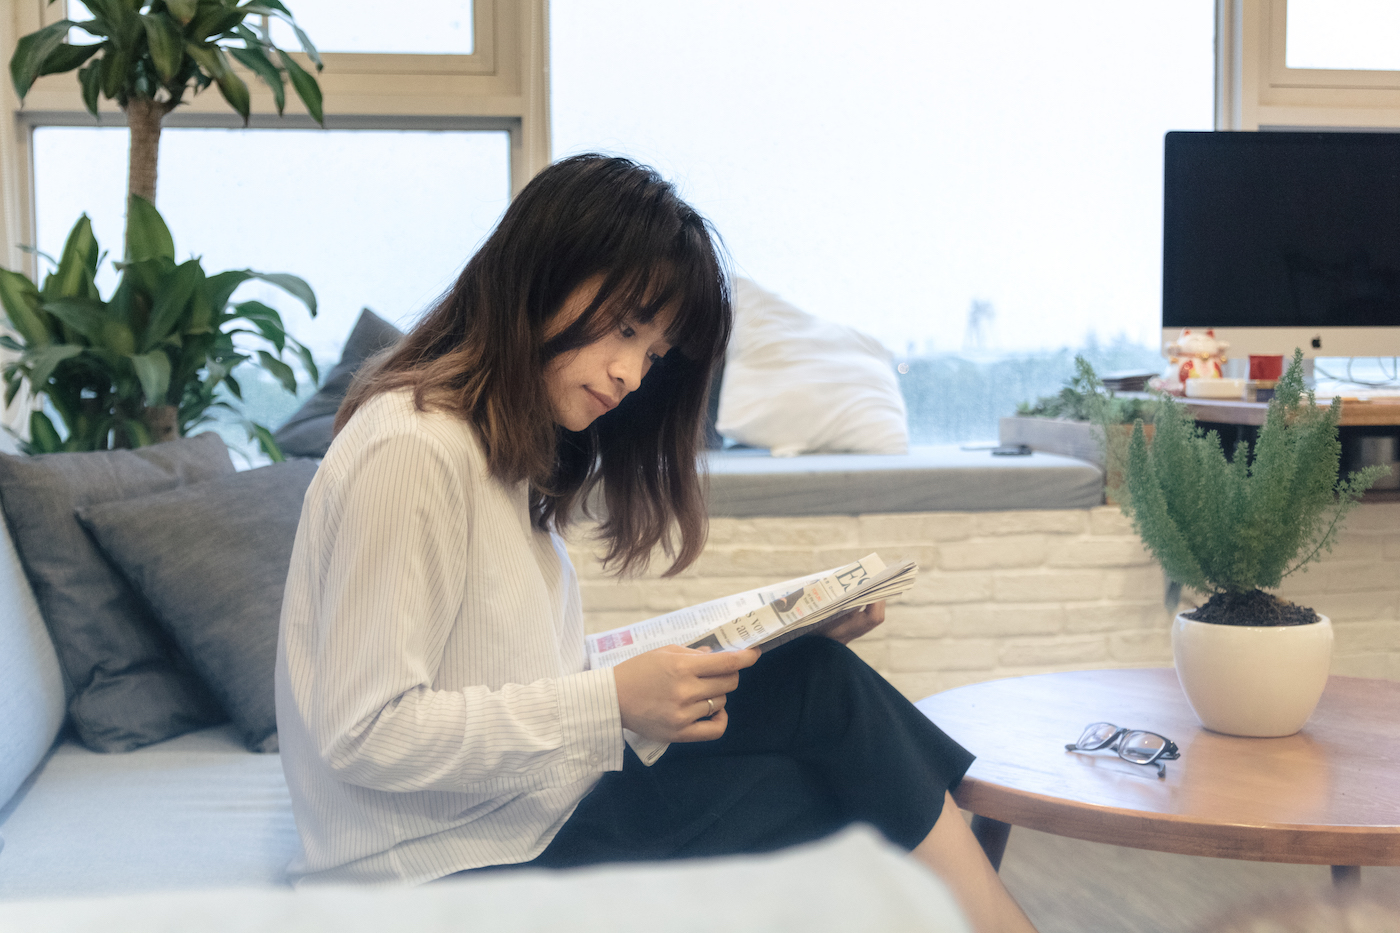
628 370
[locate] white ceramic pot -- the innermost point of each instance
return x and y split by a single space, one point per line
1254 680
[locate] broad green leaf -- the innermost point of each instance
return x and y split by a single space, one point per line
90 79
67 57
234 388
153 369
279 369
31 52
266 8
77 264
256 62
43 436
171 299
13 381
87 317
306 87
136 432
22 306
166 44
10 343
292 285
182 10
309 362
306 44
201 316
213 20
147 236
116 69
207 57
221 286
42 361
266 441
234 90
117 337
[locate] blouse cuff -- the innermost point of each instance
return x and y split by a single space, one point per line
591 719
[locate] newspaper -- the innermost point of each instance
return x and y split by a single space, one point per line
760 618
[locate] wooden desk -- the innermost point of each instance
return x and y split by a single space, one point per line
1329 795
1375 413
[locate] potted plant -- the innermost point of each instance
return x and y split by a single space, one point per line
143 366
1234 527
1077 421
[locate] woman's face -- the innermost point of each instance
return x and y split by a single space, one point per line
593 379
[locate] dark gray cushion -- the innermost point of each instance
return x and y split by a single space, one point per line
308 432
126 682
211 559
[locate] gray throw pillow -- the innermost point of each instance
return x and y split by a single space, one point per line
212 559
308 432
127 684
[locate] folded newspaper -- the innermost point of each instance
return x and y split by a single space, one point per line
762 618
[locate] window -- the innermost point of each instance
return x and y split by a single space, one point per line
979 186
435 112
1293 64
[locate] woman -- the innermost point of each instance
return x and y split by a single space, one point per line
435 709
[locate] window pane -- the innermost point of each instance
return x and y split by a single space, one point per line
947 176
436 27
426 27
1344 34
377 219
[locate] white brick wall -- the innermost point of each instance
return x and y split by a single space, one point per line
1007 593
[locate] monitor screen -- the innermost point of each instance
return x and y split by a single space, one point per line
1294 231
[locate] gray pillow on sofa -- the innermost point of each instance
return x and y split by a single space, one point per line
127 685
308 432
211 559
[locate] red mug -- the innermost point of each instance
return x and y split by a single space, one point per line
1265 367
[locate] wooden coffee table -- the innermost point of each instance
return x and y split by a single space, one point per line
1329 795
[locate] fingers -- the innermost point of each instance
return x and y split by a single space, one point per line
704 730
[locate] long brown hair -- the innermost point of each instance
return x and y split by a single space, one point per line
481 352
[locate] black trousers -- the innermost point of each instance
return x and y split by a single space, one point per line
816 740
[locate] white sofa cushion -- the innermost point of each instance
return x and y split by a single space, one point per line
797 384
31 685
197 811
851 881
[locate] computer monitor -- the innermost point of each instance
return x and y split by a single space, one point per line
1282 239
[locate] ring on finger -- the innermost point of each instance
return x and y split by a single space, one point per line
712 707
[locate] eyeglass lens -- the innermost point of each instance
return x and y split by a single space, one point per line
1097 735
1141 747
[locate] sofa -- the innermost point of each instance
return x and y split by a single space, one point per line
195 830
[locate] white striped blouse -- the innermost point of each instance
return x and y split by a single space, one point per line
434 708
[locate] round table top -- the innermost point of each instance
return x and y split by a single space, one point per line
1329 795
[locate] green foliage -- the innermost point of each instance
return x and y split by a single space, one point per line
1084 398
162 49
164 338
1230 525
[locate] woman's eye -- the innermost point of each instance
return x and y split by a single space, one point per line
654 357
628 331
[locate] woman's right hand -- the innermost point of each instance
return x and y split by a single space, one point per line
662 693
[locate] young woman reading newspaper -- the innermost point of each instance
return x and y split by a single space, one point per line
435 708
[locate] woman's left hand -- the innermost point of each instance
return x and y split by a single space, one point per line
850 626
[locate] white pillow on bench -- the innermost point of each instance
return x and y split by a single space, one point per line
797 384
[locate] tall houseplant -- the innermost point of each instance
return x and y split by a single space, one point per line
1234 528
145 364
149 55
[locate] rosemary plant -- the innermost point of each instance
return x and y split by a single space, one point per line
1235 526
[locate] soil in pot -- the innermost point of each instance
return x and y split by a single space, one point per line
1253 608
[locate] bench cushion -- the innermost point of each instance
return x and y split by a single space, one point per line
749 483
198 811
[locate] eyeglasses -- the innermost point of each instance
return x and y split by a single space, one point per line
1132 745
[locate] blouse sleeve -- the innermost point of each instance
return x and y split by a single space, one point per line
393 573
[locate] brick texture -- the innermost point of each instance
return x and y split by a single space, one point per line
1009 593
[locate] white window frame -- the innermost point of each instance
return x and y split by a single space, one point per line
1255 88
502 86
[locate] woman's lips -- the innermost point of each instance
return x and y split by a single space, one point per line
607 403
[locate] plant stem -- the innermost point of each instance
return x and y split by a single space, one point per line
143 117
162 422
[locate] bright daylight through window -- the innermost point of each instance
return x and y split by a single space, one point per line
344 204
977 185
